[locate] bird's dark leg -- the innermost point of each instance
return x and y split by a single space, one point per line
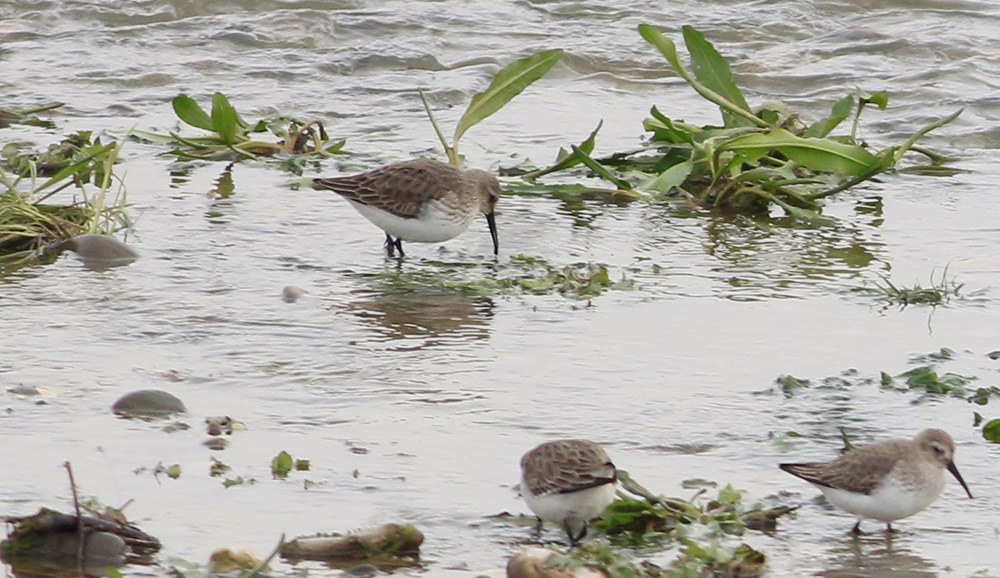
569 533
538 528
574 540
889 528
392 244
856 530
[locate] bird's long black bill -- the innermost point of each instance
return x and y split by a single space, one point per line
958 476
493 232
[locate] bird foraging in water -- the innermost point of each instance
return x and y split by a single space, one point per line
422 200
569 482
885 481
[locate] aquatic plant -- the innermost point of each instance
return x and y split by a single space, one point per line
924 377
758 158
522 275
93 536
991 431
700 530
507 83
937 293
387 546
237 481
282 464
695 558
655 516
217 467
28 223
27 116
232 138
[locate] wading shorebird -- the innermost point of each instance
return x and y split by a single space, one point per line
885 481
423 200
568 482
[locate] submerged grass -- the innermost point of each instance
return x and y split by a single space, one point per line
939 292
28 223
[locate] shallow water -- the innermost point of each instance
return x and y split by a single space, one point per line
416 405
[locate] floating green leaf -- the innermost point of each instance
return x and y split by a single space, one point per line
789 383
925 378
814 153
224 119
188 111
983 395
281 464
27 116
670 178
217 468
991 431
231 140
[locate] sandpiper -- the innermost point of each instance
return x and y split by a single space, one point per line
885 481
422 200
569 482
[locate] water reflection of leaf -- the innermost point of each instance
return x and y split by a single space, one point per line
771 257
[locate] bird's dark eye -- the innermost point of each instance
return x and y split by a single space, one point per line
938 450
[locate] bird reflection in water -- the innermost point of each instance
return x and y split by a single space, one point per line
875 556
438 316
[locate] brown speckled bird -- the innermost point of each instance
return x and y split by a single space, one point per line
569 482
422 200
885 481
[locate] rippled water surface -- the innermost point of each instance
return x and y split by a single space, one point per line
416 404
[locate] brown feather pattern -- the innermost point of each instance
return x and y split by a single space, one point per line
567 466
402 188
859 470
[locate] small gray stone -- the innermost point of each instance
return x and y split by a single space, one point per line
148 403
291 293
216 444
96 251
101 548
24 390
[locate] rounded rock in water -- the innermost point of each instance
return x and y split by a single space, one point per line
98 250
148 403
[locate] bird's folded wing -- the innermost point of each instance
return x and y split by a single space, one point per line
399 189
859 470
